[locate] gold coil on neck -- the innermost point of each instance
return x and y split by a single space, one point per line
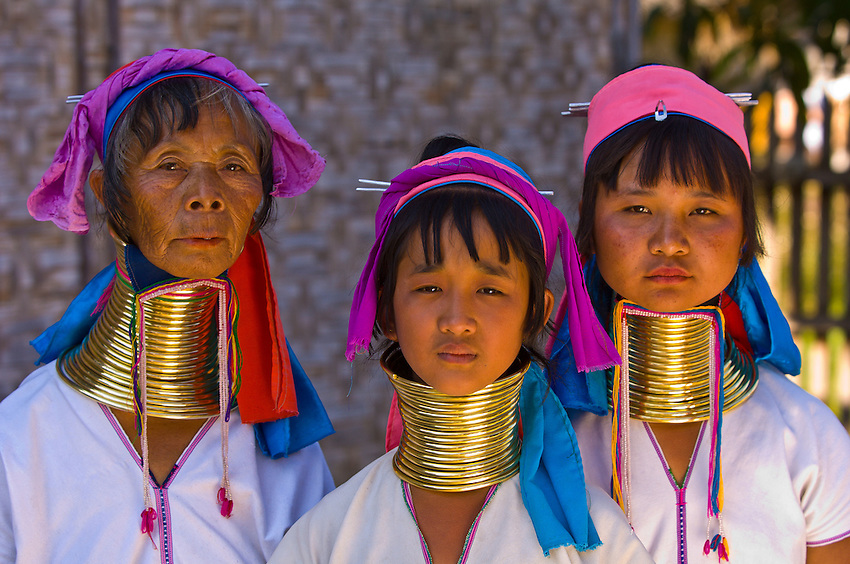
181 338
669 360
456 443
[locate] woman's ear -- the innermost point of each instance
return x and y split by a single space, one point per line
548 303
388 329
386 325
96 183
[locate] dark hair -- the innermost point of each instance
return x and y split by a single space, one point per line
175 105
440 145
691 151
515 234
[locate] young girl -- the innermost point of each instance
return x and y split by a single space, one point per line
456 283
668 227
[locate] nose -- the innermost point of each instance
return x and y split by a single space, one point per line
457 315
204 189
669 237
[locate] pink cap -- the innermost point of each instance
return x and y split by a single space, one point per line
655 91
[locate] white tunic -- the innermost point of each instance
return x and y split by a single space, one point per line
368 519
71 487
785 467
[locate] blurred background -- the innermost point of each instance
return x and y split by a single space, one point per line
368 82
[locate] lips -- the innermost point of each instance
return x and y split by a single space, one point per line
201 240
669 271
668 275
456 353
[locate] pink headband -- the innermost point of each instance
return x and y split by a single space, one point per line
654 91
59 196
592 347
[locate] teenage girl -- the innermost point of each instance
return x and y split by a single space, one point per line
456 287
669 231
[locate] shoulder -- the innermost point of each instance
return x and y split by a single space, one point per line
37 381
40 393
816 450
353 505
779 396
619 541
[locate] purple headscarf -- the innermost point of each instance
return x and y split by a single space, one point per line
60 198
593 349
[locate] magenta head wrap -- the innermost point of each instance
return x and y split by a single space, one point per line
60 198
655 91
593 349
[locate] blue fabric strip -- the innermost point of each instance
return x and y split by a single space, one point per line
76 322
550 470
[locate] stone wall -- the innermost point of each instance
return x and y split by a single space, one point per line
367 82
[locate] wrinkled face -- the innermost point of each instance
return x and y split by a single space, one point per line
460 323
667 247
193 195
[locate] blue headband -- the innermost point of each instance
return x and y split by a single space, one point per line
127 97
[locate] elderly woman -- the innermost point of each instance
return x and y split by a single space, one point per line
171 422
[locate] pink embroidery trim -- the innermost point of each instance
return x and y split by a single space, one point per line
470 536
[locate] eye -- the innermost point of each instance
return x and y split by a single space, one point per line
233 167
490 291
704 211
169 165
637 209
427 289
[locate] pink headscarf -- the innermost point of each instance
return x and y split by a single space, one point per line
593 349
59 196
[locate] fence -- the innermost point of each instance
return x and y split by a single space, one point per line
800 161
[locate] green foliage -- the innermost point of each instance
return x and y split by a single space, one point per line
757 44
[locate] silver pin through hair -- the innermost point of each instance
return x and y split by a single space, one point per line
376 185
579 109
382 185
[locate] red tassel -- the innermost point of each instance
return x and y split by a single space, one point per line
148 522
226 504
706 548
723 550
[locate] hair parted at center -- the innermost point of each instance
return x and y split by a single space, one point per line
684 149
173 105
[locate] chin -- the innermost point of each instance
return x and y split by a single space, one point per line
196 272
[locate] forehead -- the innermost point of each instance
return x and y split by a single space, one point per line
215 128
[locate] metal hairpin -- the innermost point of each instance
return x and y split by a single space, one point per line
382 185
77 97
579 109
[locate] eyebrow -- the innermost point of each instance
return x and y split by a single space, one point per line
173 145
641 191
487 267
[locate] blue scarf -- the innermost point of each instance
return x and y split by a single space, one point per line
550 470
